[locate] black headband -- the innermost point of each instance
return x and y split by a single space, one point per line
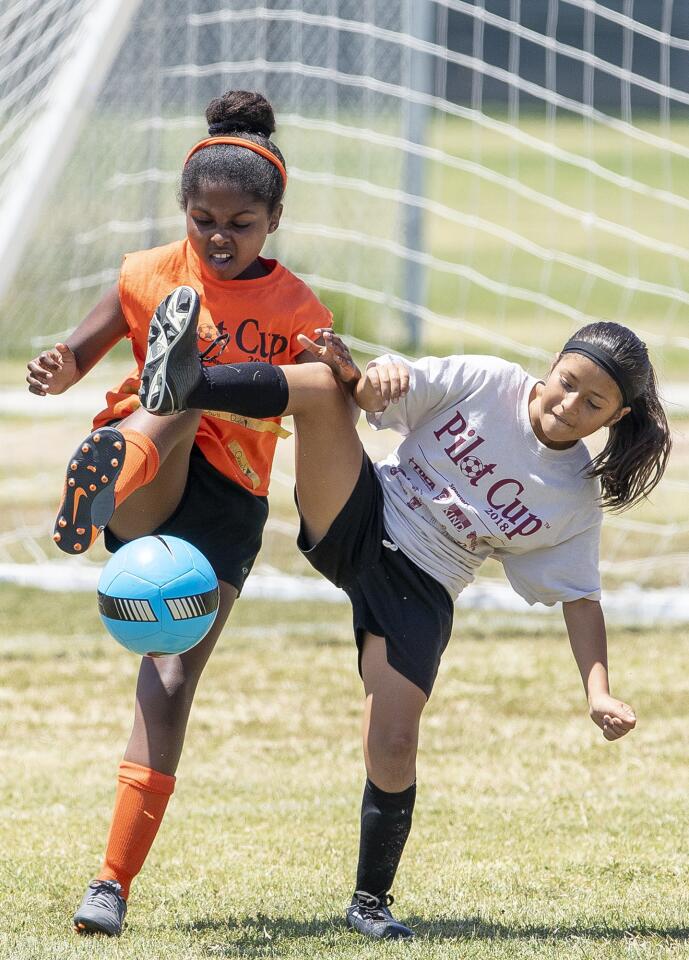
218 129
607 362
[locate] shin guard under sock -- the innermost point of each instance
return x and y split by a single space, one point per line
385 826
250 389
142 796
141 463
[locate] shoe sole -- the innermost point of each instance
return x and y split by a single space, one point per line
85 928
390 935
171 326
88 499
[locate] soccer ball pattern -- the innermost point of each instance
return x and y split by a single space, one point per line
158 596
471 466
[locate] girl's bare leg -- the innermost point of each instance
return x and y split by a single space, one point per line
166 685
164 694
391 719
328 452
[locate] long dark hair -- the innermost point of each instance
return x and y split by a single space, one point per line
635 456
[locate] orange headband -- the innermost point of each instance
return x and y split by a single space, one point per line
240 142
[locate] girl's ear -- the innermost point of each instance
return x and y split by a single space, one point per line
274 222
616 417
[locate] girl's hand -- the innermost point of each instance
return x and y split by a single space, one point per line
614 717
382 384
335 353
52 371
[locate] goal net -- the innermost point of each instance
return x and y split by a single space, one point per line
464 176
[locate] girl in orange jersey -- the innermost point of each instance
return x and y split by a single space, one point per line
200 476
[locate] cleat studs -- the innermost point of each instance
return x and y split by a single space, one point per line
92 487
91 468
103 479
117 444
57 537
81 531
85 448
96 438
73 465
62 522
114 462
77 548
71 481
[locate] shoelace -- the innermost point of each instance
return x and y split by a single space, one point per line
101 888
374 906
217 345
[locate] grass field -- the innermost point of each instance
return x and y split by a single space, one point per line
532 836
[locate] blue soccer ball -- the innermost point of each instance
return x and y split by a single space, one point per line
158 596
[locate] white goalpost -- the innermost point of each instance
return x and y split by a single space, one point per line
62 78
464 176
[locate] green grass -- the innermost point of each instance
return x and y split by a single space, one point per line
532 836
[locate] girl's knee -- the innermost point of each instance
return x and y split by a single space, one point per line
394 748
165 690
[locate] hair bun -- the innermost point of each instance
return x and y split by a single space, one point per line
240 111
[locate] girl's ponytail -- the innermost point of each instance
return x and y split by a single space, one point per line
634 459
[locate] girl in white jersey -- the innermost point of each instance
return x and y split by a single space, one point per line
491 464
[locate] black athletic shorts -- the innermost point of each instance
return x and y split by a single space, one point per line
225 521
391 597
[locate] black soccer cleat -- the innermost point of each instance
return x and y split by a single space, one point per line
102 910
88 498
172 368
370 915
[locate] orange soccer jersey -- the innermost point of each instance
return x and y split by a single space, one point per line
239 321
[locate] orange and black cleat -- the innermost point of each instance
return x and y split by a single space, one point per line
88 499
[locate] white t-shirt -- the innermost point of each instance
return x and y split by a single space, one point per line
471 480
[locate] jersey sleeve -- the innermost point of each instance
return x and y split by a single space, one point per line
433 382
309 315
558 574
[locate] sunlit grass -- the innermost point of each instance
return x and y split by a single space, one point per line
532 837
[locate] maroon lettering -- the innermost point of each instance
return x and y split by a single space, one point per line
457 517
486 471
453 427
424 476
497 486
450 451
515 511
523 528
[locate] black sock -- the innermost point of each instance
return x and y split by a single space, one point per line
250 389
385 826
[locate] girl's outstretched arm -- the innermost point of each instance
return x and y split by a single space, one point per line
58 369
586 628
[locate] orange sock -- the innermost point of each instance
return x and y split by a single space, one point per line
141 463
140 802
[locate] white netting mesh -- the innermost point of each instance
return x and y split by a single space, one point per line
464 176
